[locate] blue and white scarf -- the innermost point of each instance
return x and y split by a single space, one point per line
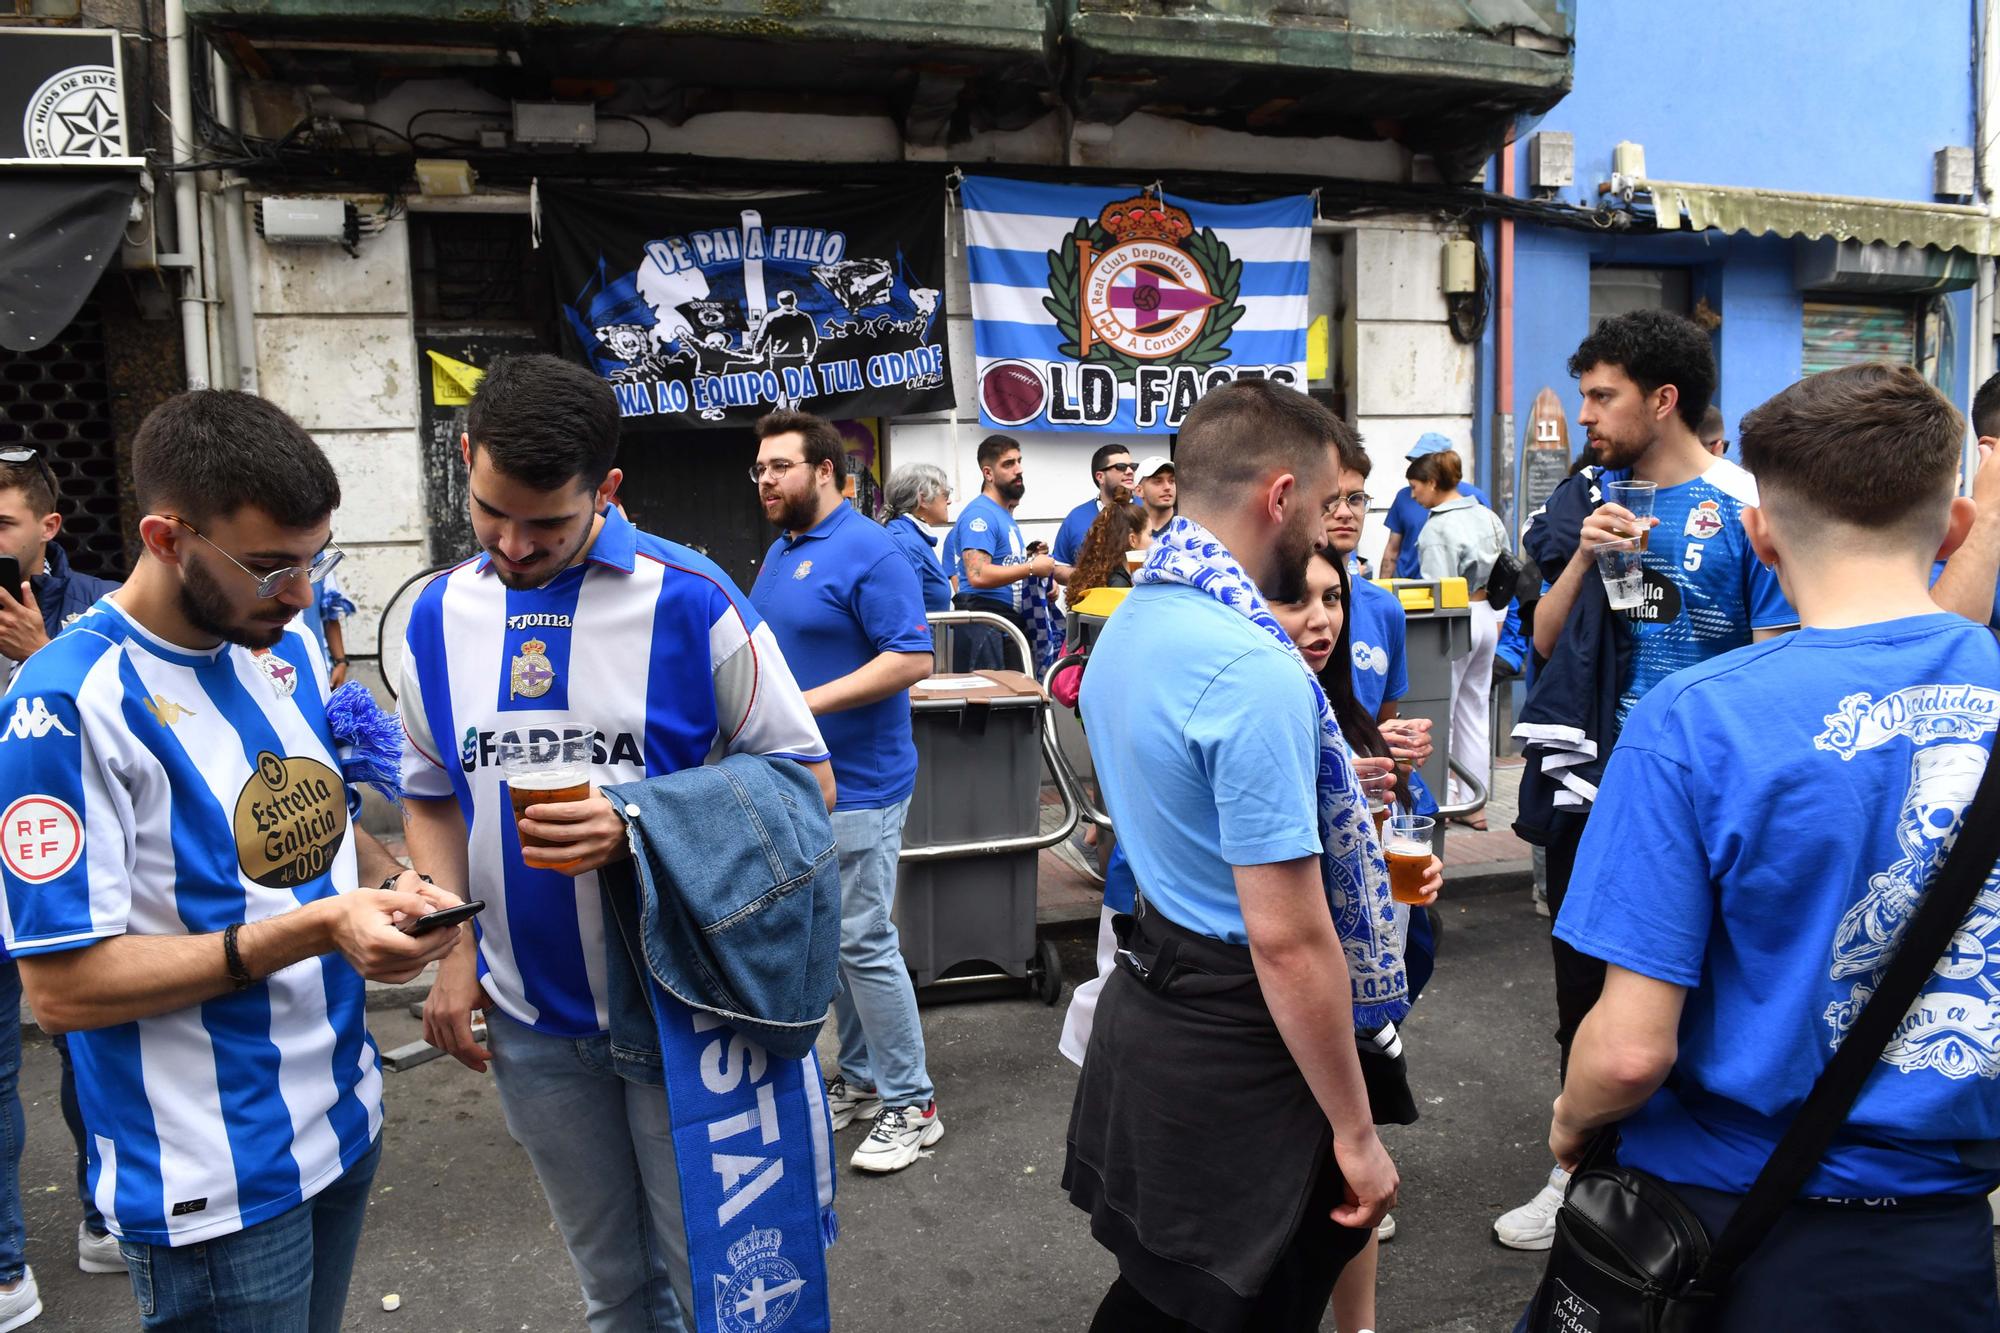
1357 878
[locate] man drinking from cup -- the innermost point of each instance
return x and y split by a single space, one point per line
1646 378
571 624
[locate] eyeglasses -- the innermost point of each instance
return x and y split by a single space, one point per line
777 467
1121 467
269 584
1357 501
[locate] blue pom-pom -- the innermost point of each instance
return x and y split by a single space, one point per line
368 741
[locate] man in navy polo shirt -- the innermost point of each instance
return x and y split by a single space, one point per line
1406 518
849 616
989 558
1111 467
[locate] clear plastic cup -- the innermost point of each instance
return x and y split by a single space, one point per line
1622 567
545 766
1637 496
1406 845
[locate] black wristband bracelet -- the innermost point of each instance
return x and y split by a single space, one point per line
234 960
390 882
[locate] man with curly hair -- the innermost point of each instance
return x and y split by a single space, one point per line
1647 378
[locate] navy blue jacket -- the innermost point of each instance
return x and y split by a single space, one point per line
1570 718
730 903
65 593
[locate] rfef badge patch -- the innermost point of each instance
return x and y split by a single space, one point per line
530 675
40 838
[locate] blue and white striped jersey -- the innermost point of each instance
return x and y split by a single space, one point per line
646 641
153 790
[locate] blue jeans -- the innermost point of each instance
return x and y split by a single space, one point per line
285 1275
14 1131
604 1151
881 1037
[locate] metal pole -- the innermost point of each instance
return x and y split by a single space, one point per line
187 213
236 244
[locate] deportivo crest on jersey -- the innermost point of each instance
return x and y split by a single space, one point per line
530 675
284 677
805 568
1704 520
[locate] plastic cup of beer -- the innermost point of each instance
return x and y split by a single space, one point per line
1378 810
1637 496
1407 847
1622 567
545 766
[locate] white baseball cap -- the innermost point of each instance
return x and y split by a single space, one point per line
1154 465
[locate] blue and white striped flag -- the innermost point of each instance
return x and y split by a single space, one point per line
1101 308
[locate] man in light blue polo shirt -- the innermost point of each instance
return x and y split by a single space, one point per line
849 616
1111 469
1406 518
989 559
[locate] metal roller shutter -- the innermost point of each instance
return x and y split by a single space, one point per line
1844 333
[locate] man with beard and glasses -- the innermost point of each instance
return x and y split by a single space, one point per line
848 613
186 895
571 617
1221 1138
1646 377
990 560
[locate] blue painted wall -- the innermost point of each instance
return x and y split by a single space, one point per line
1820 96
1825 96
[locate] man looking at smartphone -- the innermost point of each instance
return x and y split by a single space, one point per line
41 593
571 617
184 888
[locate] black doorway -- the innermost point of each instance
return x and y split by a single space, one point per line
694 487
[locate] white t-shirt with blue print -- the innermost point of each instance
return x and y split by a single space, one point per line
1764 831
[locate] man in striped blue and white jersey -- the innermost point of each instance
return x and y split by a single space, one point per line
181 885
570 616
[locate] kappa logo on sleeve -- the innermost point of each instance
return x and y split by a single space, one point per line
31 721
40 838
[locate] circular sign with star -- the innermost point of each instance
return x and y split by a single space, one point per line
77 113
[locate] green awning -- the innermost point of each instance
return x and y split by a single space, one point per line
1843 217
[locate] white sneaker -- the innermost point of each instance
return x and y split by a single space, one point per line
22 1305
1532 1226
1385 1231
849 1103
900 1135
98 1254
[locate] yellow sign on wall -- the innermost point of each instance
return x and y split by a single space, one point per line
452 382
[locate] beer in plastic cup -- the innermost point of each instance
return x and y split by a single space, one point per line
1407 847
1378 810
545 766
1638 497
1623 570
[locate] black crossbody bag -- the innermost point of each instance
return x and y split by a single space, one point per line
1630 1257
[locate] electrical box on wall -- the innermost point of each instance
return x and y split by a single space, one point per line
1458 269
573 123
291 221
1628 159
1951 171
1551 160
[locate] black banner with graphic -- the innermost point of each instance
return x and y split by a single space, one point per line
714 312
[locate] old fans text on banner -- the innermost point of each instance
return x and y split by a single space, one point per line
1104 308
704 312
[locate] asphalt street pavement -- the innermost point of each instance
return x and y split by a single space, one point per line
977 1236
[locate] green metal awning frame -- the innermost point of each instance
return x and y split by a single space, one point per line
1843 217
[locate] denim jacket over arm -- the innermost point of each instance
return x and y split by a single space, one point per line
730 903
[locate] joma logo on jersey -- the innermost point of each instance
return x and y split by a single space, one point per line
480 749
32 720
543 620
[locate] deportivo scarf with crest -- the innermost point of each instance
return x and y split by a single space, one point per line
1351 864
